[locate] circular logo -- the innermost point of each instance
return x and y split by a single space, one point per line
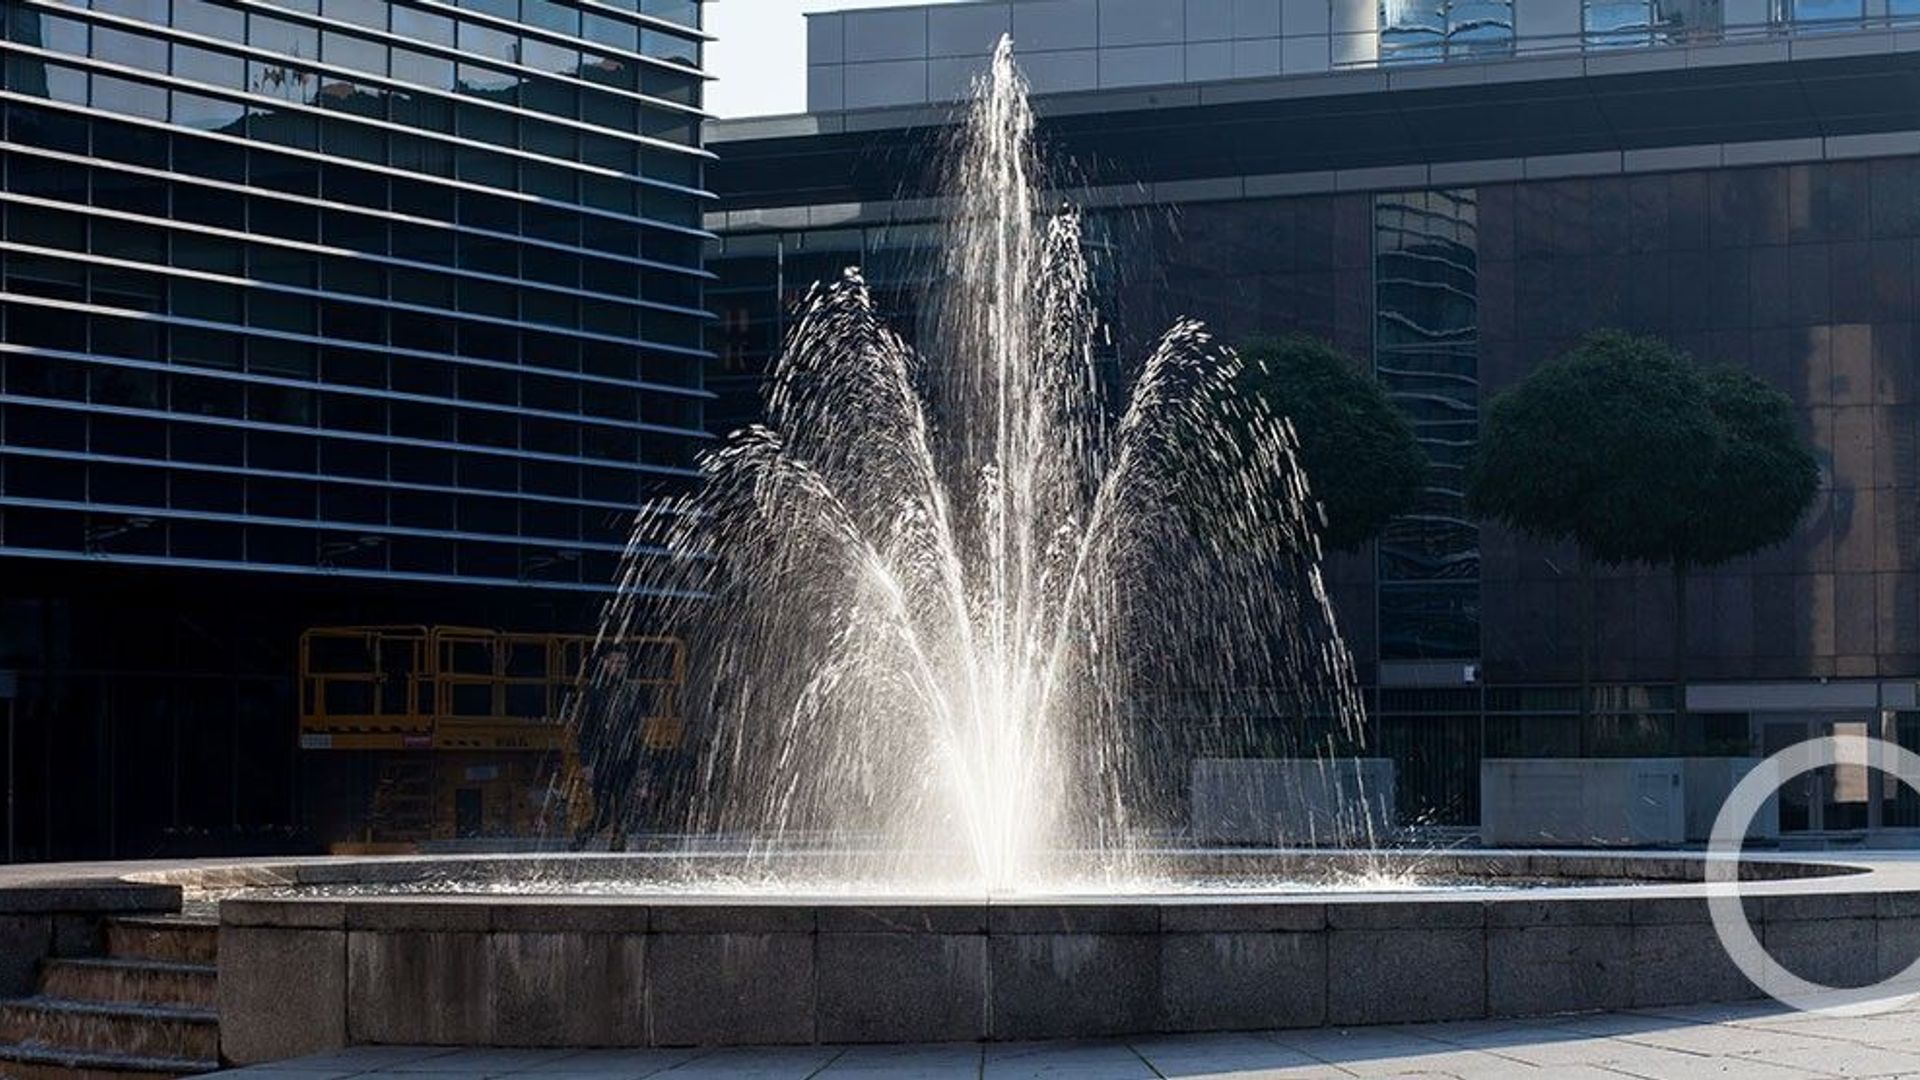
1725 898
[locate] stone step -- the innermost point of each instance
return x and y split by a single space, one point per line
49 1063
156 1031
137 982
165 938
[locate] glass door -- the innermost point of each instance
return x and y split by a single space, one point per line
1799 801
1830 799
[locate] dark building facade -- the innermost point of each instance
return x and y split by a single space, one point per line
1451 218
318 312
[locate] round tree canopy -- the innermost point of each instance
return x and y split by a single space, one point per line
1763 480
1358 450
1608 445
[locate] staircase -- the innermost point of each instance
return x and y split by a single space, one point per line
142 1011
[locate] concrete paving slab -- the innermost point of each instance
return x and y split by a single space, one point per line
758 1063
608 1064
940 1061
1748 1043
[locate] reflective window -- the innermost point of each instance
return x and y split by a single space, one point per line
1417 30
685 12
368 13
143 51
129 98
674 47
206 113
211 19
1837 12
416 25
353 51
550 15
420 69
209 67
152 11
491 44
609 71
545 56
288 39
1426 355
610 32
501 9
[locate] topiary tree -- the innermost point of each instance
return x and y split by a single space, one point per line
1357 448
1751 496
1608 447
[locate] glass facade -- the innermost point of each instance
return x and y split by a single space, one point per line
762 278
1426 355
1630 23
1417 30
385 289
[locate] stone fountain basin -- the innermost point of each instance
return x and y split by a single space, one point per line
302 970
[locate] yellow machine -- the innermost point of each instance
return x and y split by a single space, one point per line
467 729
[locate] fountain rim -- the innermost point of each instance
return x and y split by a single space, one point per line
1616 875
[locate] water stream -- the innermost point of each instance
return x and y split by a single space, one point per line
966 607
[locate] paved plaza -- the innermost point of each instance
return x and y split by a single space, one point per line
1746 1042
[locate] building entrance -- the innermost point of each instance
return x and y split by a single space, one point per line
1828 800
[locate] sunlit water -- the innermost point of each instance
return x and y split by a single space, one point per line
972 597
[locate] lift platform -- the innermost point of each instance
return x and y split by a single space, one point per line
463 733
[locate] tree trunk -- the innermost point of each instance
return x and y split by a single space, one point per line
1680 573
1586 648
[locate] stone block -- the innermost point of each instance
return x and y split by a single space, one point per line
568 989
1897 905
1242 981
1824 904
288 914
282 993
24 941
1896 945
446 914
562 917
1534 970
1395 914
1683 963
1669 910
423 987
903 919
1067 918
1570 912
730 989
76 935
1393 976
1832 952
1244 916
1073 985
732 918
902 988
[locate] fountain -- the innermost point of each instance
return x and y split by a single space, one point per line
962 615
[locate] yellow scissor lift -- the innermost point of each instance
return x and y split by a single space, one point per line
466 728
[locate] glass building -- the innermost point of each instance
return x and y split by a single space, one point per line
320 313
400 290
